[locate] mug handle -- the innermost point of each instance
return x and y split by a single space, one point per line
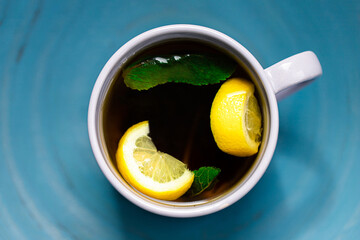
293 73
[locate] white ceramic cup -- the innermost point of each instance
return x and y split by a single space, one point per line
272 83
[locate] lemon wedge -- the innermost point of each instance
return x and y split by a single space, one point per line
235 118
150 171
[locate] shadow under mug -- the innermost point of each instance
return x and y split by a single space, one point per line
272 84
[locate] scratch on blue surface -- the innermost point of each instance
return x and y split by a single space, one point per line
10 224
4 12
26 199
353 220
29 28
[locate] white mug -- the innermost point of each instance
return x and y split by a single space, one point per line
272 84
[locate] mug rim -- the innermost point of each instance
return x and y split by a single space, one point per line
182 211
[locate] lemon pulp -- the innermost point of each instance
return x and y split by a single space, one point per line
235 118
150 171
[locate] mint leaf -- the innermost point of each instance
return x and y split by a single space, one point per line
203 179
193 69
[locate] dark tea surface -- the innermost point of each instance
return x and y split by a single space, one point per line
179 119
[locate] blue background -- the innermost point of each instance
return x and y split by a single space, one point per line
50 185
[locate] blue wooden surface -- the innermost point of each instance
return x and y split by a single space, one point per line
50 185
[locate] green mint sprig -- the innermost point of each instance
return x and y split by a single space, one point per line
204 178
195 69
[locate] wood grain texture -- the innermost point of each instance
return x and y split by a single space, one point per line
50 185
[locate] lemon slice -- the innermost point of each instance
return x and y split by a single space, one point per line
235 118
154 173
